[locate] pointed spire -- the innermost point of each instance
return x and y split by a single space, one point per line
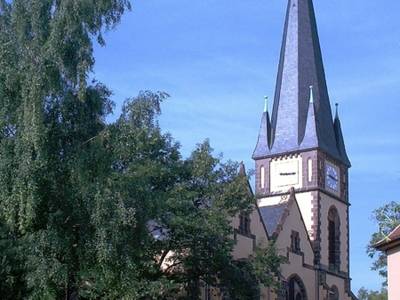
264 137
242 169
339 138
300 67
310 134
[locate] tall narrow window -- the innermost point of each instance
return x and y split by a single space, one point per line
262 177
244 224
295 242
334 239
309 170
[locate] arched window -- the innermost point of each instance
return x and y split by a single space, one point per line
262 177
334 293
296 289
334 239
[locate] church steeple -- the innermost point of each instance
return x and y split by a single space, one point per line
300 67
301 148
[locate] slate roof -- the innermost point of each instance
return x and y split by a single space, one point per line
157 231
293 127
272 216
262 146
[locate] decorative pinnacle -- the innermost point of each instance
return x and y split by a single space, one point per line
265 103
311 94
337 109
242 169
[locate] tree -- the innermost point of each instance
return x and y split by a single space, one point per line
200 233
387 217
94 210
364 294
48 113
144 165
173 216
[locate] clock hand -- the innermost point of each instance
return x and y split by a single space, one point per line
332 177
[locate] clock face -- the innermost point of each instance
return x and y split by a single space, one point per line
331 177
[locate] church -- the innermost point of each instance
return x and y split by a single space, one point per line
302 180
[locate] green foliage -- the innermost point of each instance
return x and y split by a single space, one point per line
197 217
387 217
364 294
96 210
243 279
266 263
11 272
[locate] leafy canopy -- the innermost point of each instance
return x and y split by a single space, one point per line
364 294
96 210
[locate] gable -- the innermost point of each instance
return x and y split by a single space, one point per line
293 222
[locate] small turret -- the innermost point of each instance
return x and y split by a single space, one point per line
264 137
310 135
339 138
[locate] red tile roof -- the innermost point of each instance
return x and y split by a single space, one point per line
391 241
395 234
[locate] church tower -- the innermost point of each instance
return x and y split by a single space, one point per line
301 147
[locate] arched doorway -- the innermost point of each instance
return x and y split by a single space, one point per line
296 289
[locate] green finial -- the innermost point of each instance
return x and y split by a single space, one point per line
337 109
311 94
265 103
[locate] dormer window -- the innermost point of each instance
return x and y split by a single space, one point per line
295 242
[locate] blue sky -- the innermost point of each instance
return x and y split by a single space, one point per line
217 60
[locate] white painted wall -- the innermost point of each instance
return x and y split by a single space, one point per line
286 173
394 273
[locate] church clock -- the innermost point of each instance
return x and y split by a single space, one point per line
332 177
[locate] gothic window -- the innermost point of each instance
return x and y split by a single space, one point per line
262 177
295 242
244 224
296 289
334 239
